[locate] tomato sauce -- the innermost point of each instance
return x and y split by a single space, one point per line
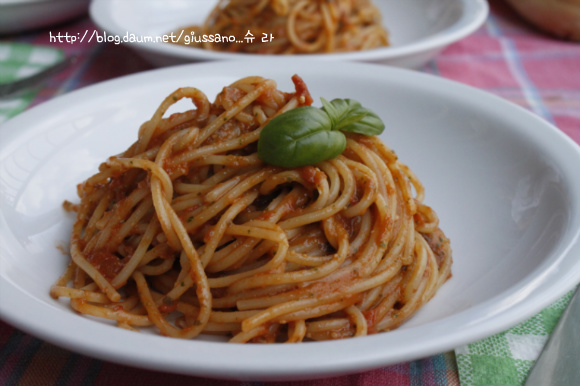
311 175
302 91
106 263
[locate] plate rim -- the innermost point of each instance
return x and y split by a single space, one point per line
364 362
474 14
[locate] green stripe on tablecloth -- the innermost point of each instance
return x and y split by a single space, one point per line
8 72
506 358
17 61
21 53
14 106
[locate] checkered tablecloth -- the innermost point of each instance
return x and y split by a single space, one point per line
505 57
506 358
18 61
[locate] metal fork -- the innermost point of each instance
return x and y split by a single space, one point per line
7 89
559 361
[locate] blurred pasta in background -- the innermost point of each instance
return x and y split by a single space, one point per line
289 27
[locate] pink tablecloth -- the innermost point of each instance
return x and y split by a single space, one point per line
506 57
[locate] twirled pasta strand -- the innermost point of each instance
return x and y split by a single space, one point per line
188 231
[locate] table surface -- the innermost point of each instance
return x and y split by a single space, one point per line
506 57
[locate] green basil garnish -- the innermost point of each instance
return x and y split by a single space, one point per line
349 115
308 135
298 137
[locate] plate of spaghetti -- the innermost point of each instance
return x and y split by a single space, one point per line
266 223
405 34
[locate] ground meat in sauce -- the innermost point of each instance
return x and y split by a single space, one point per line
107 263
439 244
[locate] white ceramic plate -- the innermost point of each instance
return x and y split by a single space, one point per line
504 183
18 16
419 29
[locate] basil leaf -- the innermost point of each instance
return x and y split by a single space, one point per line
369 125
350 116
307 135
300 137
338 110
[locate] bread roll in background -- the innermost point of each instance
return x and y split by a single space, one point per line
559 18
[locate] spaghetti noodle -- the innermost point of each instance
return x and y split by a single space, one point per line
190 232
289 27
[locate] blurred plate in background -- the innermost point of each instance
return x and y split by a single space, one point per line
418 29
18 16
